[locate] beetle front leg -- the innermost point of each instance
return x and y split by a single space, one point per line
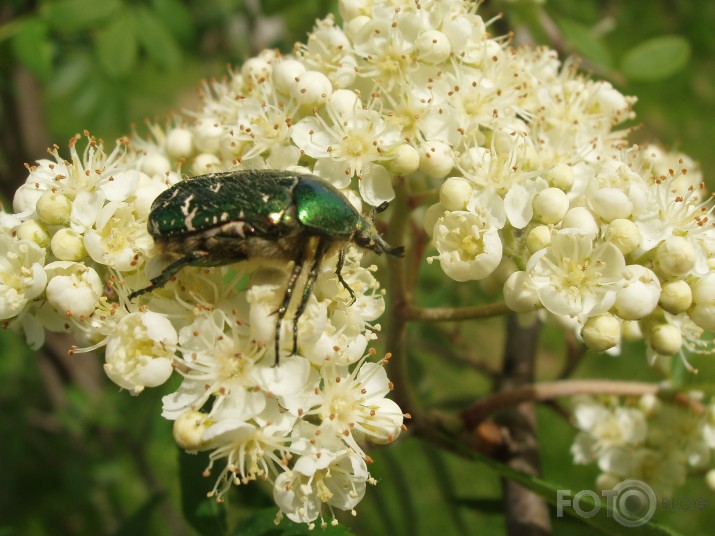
294 275
338 272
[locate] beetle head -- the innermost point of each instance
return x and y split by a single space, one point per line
367 237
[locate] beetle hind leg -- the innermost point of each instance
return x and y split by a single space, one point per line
193 258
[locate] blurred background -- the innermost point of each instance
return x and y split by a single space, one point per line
79 457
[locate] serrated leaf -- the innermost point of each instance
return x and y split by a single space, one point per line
656 59
156 39
584 42
32 47
117 47
74 15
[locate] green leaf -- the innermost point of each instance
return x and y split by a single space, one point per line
117 47
32 47
656 59
584 42
138 523
203 513
177 19
73 15
156 39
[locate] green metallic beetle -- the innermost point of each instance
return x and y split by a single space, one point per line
222 218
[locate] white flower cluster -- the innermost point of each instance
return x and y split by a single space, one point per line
646 438
76 247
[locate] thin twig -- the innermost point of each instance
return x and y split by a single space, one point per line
452 314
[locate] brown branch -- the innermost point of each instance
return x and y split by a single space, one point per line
546 391
453 314
526 513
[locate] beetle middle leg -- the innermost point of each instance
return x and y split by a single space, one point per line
294 275
320 250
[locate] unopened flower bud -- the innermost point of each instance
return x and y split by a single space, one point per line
601 332
68 245
354 25
344 102
455 193
433 47
640 295
54 209
675 297
286 75
179 143
205 163
631 331
550 205
665 339
560 176
702 311
256 68
208 134
519 294
624 234
436 159
611 203
538 238
675 256
313 89
403 159
34 231
155 163
580 218
189 429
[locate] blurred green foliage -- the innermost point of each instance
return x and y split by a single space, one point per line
79 457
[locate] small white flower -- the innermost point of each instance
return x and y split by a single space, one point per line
118 237
22 277
335 479
73 288
469 247
140 352
573 278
